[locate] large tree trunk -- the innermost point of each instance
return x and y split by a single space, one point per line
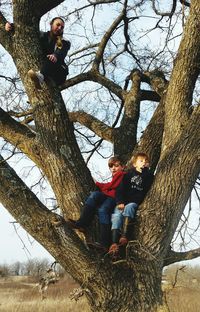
133 286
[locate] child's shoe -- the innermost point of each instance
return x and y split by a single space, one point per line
73 224
97 246
123 241
114 252
36 77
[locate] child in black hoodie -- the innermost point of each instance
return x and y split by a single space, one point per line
129 195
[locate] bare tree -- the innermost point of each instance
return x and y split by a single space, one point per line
47 278
130 74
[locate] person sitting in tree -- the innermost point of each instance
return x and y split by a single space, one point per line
129 195
101 202
55 49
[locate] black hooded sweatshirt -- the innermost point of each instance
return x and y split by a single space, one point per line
134 186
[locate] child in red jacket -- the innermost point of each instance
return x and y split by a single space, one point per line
101 202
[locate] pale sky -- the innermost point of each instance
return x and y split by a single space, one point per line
11 247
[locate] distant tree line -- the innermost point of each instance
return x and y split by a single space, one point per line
32 267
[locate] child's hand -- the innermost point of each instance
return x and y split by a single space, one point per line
121 206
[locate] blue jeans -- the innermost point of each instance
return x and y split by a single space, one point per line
117 216
97 202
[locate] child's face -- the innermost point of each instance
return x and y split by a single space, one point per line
115 167
140 163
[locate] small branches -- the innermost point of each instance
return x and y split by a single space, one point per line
50 277
187 4
102 1
170 13
126 35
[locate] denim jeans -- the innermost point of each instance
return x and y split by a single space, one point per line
97 202
118 215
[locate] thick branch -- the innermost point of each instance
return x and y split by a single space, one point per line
173 256
98 127
156 80
182 82
96 77
42 7
16 133
146 95
104 40
151 139
27 209
161 219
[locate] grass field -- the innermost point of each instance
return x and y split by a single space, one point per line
20 294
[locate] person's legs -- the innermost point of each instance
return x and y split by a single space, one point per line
89 210
104 213
116 220
55 71
128 216
105 210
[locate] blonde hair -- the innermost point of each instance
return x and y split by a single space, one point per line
136 156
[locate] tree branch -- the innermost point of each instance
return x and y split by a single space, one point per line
178 184
42 7
170 13
40 222
104 40
156 80
151 139
146 95
16 133
185 3
96 77
174 256
180 90
102 1
98 127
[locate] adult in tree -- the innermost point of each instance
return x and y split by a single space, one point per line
54 49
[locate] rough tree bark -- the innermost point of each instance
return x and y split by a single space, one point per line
171 138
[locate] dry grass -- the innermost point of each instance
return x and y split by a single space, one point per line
183 299
20 294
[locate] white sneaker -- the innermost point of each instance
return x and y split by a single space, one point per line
36 77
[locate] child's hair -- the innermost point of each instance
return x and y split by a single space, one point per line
55 18
114 159
140 154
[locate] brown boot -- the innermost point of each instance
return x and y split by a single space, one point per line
123 241
73 224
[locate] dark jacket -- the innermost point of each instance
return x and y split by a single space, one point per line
134 187
48 44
